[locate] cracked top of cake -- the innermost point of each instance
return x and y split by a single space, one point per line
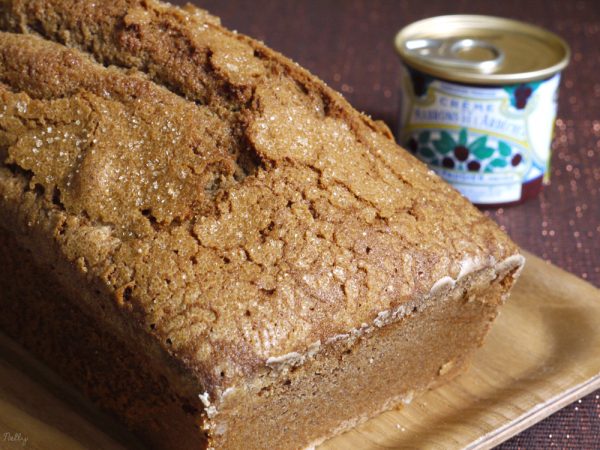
235 206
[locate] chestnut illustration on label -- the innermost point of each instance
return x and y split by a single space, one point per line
463 153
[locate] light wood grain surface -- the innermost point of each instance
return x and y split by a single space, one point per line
543 352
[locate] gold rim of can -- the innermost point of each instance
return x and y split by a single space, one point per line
481 49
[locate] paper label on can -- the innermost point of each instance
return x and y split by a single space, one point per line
487 141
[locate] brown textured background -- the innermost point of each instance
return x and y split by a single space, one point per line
349 45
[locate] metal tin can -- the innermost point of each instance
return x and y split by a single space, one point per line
479 102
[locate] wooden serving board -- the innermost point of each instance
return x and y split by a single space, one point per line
542 353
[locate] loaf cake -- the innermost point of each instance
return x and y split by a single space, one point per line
211 243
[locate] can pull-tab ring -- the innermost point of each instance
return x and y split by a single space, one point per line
466 53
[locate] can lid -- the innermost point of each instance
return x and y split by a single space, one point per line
481 49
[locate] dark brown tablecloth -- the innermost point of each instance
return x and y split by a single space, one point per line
349 45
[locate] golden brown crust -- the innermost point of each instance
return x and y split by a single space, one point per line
90 357
243 211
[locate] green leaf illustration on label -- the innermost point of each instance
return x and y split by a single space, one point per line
478 143
452 150
497 163
504 148
483 152
462 137
426 152
445 144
